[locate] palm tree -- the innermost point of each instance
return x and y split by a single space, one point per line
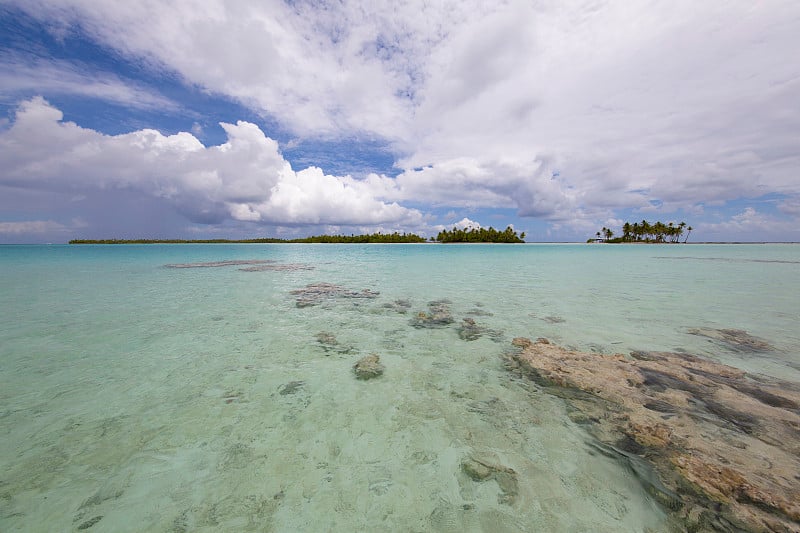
688 231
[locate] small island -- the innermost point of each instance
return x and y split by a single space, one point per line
645 232
480 235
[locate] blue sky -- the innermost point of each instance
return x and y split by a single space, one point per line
191 119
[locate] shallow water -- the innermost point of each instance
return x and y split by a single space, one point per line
203 399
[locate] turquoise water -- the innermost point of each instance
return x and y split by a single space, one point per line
137 397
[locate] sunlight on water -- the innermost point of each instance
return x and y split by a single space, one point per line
138 396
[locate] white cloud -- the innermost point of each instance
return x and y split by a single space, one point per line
790 206
244 179
23 74
466 223
680 103
750 225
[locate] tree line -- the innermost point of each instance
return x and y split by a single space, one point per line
507 235
644 231
332 239
480 235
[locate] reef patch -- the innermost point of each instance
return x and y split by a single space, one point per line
369 367
736 339
317 293
277 267
438 315
218 264
717 447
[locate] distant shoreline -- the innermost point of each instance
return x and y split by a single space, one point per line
309 241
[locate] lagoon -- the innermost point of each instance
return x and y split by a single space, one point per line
137 396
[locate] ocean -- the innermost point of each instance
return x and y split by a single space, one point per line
211 387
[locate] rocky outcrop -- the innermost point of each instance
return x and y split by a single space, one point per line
369 367
717 447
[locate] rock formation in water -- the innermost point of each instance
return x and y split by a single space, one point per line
316 293
400 306
469 330
481 470
328 342
369 367
217 264
277 267
718 447
291 387
735 339
439 315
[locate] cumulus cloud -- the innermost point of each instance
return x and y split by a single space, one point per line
244 179
466 223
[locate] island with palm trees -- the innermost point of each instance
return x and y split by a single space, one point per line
508 235
644 231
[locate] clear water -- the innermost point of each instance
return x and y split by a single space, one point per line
155 398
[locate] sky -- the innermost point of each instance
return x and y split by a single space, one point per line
287 118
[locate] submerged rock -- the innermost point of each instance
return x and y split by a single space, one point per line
479 312
736 339
279 267
469 330
438 315
369 367
717 447
399 306
291 387
217 264
506 478
330 343
89 523
316 293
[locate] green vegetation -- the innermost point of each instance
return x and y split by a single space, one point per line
333 239
645 232
456 235
480 235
